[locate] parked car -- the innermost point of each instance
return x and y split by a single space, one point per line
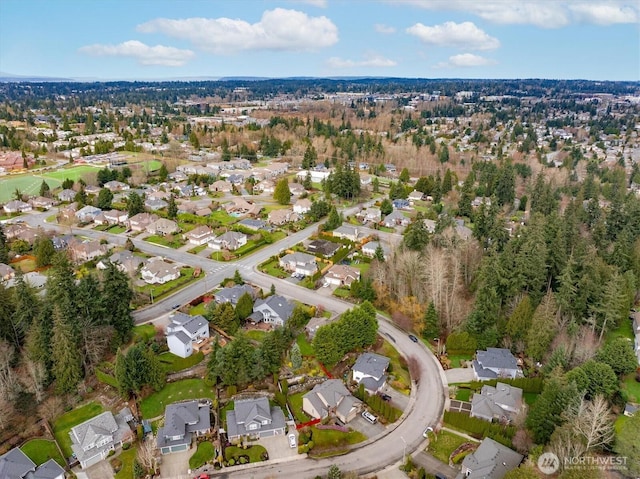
292 440
384 397
427 431
369 417
413 338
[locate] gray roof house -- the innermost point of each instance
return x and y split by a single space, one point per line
92 440
331 398
349 232
323 247
231 240
254 418
124 260
232 295
502 402
185 330
370 370
67 195
274 310
495 363
369 249
395 218
301 263
491 460
15 464
255 225
181 422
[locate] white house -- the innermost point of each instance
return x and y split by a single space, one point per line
231 240
369 249
17 206
370 370
92 440
302 206
185 330
200 235
300 263
158 271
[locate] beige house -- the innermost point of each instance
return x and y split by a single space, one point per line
280 217
342 275
200 235
163 227
331 398
140 221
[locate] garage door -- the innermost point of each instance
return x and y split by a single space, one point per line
267 434
182 447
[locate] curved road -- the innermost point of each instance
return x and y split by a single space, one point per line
427 403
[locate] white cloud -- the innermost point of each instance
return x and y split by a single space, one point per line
465 60
278 29
144 54
541 13
450 34
385 29
315 3
370 60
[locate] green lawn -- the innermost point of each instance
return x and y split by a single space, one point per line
174 241
154 405
463 394
620 420
625 330
117 229
127 457
106 378
254 452
144 332
398 372
41 450
64 423
172 363
362 266
199 309
329 438
203 454
342 292
445 443
197 249
530 398
632 387
256 334
295 403
305 347
159 290
29 183
272 268
222 217
456 359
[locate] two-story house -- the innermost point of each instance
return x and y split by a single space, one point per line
331 398
200 235
254 418
15 464
163 227
184 332
158 271
274 310
370 370
231 241
341 275
182 421
491 460
495 363
300 263
502 402
233 294
140 221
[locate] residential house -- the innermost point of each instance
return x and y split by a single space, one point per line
395 218
240 206
280 217
316 175
502 402
67 196
87 214
349 232
369 215
302 206
42 202
265 186
365 179
495 363
630 409
20 231
15 464
314 324
331 398
400 204
92 190
182 421
200 235
125 261
369 249
478 200
67 213
92 440
254 418
17 206
155 204
34 279
491 460
296 189
300 263
323 247
140 221
163 227
116 186
255 225
231 241
184 331
6 272
86 251
370 370
274 310
61 242
115 217
158 271
234 178
414 196
233 294
221 186
341 275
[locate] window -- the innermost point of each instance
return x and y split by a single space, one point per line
252 426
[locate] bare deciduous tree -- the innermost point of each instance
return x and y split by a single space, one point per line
9 385
35 379
147 453
593 421
415 368
51 407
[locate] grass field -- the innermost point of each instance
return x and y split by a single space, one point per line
203 454
64 423
256 334
254 452
127 457
29 183
172 363
306 349
632 387
330 439
398 370
154 405
445 443
295 403
41 450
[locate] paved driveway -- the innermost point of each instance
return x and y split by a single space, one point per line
365 427
459 375
399 400
278 446
176 464
101 470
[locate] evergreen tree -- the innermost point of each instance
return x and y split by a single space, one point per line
443 155
163 173
135 204
282 193
105 198
334 220
318 210
172 207
306 183
116 297
7 325
27 307
519 322
296 357
416 235
237 278
379 253
540 336
67 362
505 190
44 251
224 317
617 353
310 157
375 184
430 323
4 248
447 182
386 207
404 176
81 197
38 339
89 125
244 306
44 188
466 197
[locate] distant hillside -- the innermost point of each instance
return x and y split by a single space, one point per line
10 78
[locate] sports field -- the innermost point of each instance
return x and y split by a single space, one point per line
30 183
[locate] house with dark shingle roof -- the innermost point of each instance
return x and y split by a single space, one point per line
491 460
274 310
370 370
254 418
495 363
183 331
92 440
181 422
331 398
15 464
233 294
323 247
502 402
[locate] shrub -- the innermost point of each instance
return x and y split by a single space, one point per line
457 459
461 343
126 446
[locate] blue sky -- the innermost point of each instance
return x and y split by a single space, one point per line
156 39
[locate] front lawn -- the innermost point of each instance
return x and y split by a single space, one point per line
342 292
306 349
463 394
117 229
153 406
172 363
127 457
254 452
457 359
272 268
197 249
64 423
144 332
159 290
203 454
198 309
171 241
632 387
324 439
41 450
444 444
295 403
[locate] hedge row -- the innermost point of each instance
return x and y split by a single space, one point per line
528 385
479 428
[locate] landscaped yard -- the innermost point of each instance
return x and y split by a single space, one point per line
625 330
398 372
172 363
256 334
41 450
305 347
457 359
295 403
632 387
64 423
127 457
342 292
445 443
26 264
198 309
172 241
154 405
203 454
254 452
272 268
331 439
159 290
222 217
144 332
197 249
463 394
